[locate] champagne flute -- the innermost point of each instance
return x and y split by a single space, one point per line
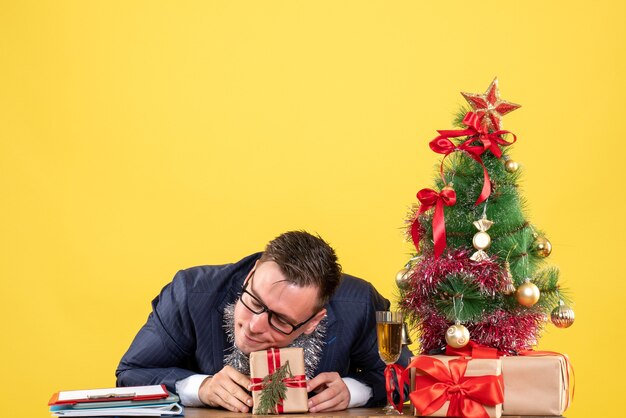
389 331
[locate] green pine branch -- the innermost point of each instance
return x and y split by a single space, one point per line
547 280
273 390
460 299
459 116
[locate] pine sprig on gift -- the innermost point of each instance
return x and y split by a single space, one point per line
273 390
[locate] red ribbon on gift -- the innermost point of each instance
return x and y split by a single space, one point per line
273 363
440 383
430 198
391 387
474 350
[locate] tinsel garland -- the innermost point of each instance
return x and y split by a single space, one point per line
508 331
431 271
312 345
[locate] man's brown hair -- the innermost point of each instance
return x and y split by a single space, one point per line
306 260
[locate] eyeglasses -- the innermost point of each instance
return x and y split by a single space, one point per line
275 320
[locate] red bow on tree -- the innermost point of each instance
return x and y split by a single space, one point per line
443 145
429 198
491 141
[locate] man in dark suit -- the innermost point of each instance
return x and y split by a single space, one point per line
208 319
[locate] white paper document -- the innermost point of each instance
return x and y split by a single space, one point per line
140 411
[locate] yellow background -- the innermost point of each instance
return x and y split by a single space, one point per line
138 138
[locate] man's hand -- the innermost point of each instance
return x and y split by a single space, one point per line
331 393
226 389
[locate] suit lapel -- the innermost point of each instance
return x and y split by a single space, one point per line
333 328
220 338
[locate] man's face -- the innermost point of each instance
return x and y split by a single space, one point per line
292 303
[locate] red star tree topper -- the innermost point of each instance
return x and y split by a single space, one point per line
489 107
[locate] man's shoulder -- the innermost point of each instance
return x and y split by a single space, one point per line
208 278
352 287
355 297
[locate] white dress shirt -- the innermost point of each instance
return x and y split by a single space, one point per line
189 388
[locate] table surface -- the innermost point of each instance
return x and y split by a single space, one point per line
354 412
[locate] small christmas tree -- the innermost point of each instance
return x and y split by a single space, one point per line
479 270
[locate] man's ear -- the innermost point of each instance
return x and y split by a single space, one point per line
312 324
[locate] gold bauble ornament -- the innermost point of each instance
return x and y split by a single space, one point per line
511 166
402 278
457 336
542 247
527 294
562 316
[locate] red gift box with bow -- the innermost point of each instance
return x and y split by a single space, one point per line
535 382
456 386
266 362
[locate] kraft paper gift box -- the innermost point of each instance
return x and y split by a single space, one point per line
263 363
489 380
535 385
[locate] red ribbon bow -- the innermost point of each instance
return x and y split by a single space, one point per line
476 350
466 394
443 145
428 199
491 141
273 363
391 387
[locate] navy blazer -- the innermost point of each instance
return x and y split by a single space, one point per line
184 333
